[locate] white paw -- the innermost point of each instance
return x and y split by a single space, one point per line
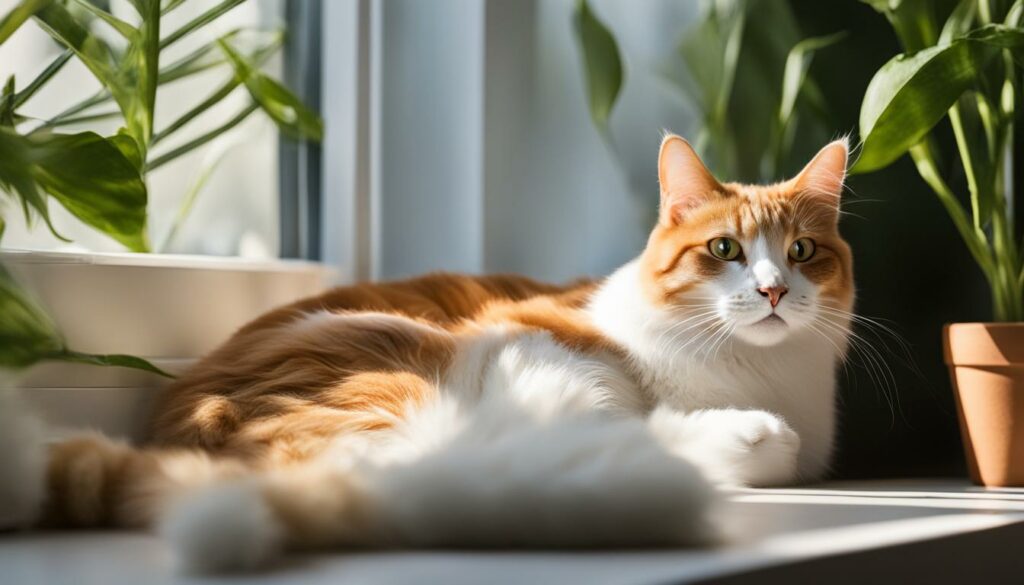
220 529
22 464
733 447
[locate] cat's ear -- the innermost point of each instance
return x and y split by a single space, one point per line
822 178
685 182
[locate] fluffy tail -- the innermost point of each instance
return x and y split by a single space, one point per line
90 480
583 482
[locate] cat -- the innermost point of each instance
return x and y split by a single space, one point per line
495 411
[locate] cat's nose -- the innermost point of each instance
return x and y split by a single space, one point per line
773 293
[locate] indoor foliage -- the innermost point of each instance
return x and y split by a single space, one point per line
101 180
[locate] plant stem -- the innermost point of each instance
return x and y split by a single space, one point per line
977 242
201 140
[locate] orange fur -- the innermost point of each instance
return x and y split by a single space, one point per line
355 359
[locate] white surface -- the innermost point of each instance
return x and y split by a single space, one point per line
771 528
113 303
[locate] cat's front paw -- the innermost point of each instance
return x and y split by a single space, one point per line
733 447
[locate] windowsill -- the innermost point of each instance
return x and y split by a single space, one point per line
925 531
157 260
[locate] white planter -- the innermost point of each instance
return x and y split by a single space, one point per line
168 309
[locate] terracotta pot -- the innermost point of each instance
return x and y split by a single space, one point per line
986 361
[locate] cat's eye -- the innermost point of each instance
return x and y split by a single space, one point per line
801 250
724 248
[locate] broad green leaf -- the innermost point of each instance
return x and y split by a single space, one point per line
15 18
27 335
290 114
88 174
126 143
602 63
16 177
93 179
797 63
910 94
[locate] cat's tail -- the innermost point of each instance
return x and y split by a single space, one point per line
586 481
90 480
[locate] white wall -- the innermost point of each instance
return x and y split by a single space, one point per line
484 158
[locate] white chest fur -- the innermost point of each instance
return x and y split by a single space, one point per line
686 368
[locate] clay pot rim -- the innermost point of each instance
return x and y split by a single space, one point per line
983 344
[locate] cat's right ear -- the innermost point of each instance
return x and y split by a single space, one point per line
685 182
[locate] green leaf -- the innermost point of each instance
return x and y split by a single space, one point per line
199 22
27 335
913 21
13 20
124 29
132 77
88 174
16 177
910 94
126 143
118 360
797 63
94 180
602 63
959 21
213 99
46 75
287 111
202 139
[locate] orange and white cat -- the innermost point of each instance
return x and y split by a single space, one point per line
494 411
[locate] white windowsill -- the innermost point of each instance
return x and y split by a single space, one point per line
887 531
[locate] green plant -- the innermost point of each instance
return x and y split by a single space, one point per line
749 83
961 64
102 180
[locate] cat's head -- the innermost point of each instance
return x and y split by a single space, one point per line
760 262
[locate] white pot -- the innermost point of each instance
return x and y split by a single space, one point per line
168 309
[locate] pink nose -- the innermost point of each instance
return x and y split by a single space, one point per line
774 293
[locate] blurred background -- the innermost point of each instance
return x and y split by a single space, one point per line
458 137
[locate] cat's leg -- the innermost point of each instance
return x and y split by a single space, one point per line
731 446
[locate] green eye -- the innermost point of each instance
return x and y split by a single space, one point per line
801 250
724 248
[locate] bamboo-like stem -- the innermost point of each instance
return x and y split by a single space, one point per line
201 140
977 242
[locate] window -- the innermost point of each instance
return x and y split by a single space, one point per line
237 211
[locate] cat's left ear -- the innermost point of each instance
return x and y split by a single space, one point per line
822 178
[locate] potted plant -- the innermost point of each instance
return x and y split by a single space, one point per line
964 66
168 309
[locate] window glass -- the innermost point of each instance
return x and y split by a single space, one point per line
236 213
